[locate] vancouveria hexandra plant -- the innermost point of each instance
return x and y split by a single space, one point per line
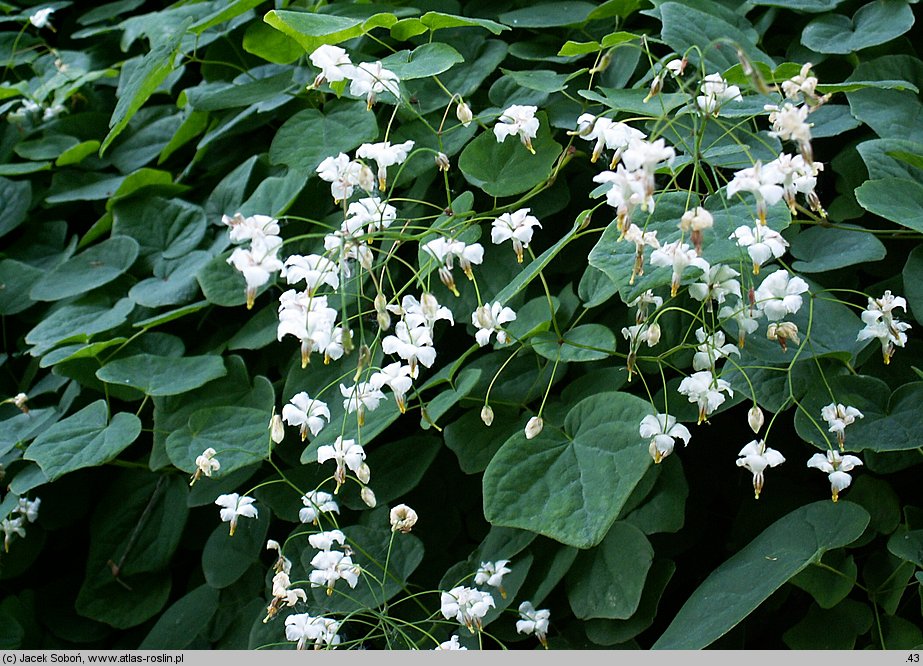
505 257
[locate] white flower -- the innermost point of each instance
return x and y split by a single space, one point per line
331 566
645 332
9 527
756 458
837 468
205 464
19 401
301 627
370 79
451 644
694 222
782 332
333 62
345 452
518 119
803 85
534 427
307 413
397 377
627 192
427 311
282 595
344 175
517 227
662 430
789 123
487 415
533 621
744 316
446 251
798 177
282 564
361 398
780 295
643 302
880 323
706 390
755 419
28 509
370 211
257 263
717 282
488 319
762 243
678 256
492 573
402 518
384 155
647 156
315 503
414 345
715 92
41 18
711 348
326 540
838 416
468 606
463 113
762 183
310 320
314 269
248 228
233 506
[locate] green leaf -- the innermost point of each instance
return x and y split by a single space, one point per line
226 558
664 509
168 228
99 265
607 581
587 342
572 48
313 30
548 15
77 322
582 476
505 169
885 158
85 439
475 443
890 113
183 621
76 154
173 282
543 80
913 282
16 197
834 629
632 100
828 587
874 23
240 435
264 41
432 21
907 545
309 136
821 249
735 589
810 6
426 60
161 375
16 280
896 199
612 632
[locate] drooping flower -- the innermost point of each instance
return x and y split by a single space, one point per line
518 119
533 622
233 506
385 155
282 563
307 413
837 468
463 113
711 349
10 527
534 427
756 458
641 239
331 566
446 251
762 243
517 227
414 345
789 123
643 302
743 315
370 211
467 605
315 503
798 176
344 175
257 263
715 92
361 398
346 453
395 376
451 644
881 323
492 573
780 295
205 464
371 79
250 227
42 18
694 222
838 416
678 256
717 282
333 62
301 627
488 319
28 509
282 594
402 518
706 390
314 269
644 332
762 183
326 540
803 85
309 319
663 430
627 191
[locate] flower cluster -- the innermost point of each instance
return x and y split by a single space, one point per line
367 79
258 262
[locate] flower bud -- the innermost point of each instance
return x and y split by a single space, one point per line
653 334
755 418
487 415
782 333
20 401
402 518
534 427
368 497
442 162
463 113
364 473
276 429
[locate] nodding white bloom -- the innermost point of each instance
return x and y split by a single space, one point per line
370 211
644 332
463 113
370 79
427 311
711 348
361 398
677 66
282 563
446 251
755 419
663 430
488 319
694 222
641 239
414 345
762 243
533 622
248 228
789 123
344 175
647 156
797 176
42 18
678 256
442 162
395 376
534 427
302 628
385 155
706 390
717 282
644 301
307 413
402 518
333 62
607 133
467 605
282 594
257 263
314 269
331 566
516 227
838 416
762 182
518 119
627 191
310 320
715 92
743 315
782 332
345 248
326 540
882 324
233 506
492 573
205 463
346 453
28 509
780 295
10 527
803 85
451 644
315 503
756 458
837 468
